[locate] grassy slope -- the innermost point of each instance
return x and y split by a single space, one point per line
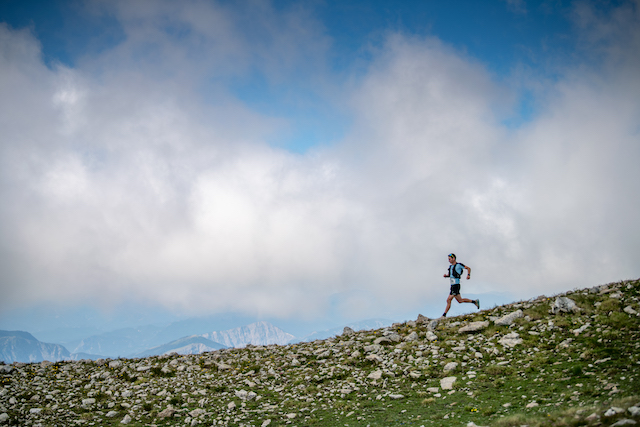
597 369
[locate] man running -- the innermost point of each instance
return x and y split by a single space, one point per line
455 270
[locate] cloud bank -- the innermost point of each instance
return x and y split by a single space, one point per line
142 174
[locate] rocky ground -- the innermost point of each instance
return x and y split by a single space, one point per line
570 359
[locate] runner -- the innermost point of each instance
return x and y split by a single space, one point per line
455 270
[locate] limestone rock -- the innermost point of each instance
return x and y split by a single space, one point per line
624 422
413 336
431 336
126 419
375 375
629 310
564 305
474 327
508 319
348 331
510 340
451 366
447 383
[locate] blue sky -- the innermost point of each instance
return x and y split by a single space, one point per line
313 161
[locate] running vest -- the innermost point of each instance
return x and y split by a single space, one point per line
454 274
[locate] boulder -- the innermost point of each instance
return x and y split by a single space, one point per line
348 331
431 336
510 340
447 383
413 336
508 319
474 327
564 305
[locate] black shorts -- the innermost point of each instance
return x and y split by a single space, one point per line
455 289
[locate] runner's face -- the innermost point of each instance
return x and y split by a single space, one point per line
452 260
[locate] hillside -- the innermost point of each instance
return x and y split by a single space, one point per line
539 362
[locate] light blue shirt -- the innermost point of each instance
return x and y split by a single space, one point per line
459 269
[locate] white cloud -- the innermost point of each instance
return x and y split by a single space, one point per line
121 180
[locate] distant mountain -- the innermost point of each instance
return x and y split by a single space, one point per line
194 344
356 326
121 342
258 333
18 346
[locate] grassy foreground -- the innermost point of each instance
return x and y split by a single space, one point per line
567 369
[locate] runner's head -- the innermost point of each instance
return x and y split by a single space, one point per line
452 258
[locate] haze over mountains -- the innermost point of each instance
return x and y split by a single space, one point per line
183 337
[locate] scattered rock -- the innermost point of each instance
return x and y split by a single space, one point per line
447 383
510 340
431 336
629 310
532 405
564 305
508 319
375 375
396 396
614 410
474 327
634 411
451 366
126 419
348 331
413 336
111 414
624 422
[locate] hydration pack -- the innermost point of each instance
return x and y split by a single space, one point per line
453 272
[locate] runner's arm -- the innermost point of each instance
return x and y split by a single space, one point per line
468 272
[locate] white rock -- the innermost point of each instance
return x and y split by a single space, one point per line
126 419
242 394
532 405
396 396
87 402
447 383
581 329
111 414
433 389
510 340
265 423
5 369
624 422
415 374
348 331
431 336
231 406
35 410
291 416
474 327
634 411
375 375
613 411
413 336
508 319
4 417
629 310
114 364
564 305
197 412
127 393
451 366
143 368
374 358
